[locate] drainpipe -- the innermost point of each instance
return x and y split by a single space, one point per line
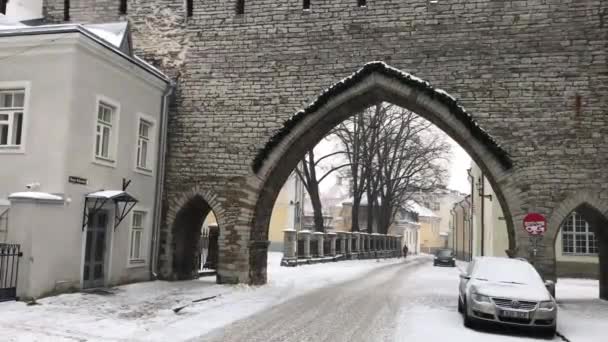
463 226
453 221
160 177
472 180
483 197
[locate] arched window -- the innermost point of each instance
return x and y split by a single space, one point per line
577 236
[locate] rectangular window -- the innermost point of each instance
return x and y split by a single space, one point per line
306 4
136 252
144 145
189 8
103 137
66 10
240 7
3 6
362 3
11 117
123 7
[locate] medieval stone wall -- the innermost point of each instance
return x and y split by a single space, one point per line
533 73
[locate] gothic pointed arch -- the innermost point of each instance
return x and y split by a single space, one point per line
375 82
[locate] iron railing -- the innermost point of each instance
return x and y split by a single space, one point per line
9 270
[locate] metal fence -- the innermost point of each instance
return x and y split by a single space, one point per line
9 270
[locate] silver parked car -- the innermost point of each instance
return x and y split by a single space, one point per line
506 291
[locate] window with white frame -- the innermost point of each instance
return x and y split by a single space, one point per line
144 145
104 132
138 221
11 117
577 236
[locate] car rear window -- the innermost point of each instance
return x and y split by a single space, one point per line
444 253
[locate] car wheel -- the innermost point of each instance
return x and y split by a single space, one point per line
467 320
549 333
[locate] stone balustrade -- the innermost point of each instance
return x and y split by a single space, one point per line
306 247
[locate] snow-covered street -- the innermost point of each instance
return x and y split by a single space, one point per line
347 301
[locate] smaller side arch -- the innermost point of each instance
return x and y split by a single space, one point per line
184 219
570 203
594 210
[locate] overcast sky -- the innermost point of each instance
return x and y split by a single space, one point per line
459 163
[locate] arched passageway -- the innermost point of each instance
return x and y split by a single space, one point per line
187 242
584 234
374 83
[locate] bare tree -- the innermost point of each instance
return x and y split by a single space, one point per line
311 173
392 154
410 157
352 134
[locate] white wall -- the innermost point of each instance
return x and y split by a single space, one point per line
65 78
24 9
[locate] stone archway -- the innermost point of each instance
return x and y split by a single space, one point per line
593 209
185 232
375 82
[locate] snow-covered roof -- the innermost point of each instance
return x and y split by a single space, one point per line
111 194
115 36
363 202
106 194
7 23
113 33
35 195
419 209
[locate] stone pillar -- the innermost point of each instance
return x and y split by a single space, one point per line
349 244
332 243
290 244
305 236
368 243
318 236
357 237
342 239
602 244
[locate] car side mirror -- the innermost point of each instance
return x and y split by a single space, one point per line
464 276
549 283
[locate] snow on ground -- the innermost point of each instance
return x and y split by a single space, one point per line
432 315
582 316
143 311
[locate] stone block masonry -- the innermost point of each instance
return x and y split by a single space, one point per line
532 73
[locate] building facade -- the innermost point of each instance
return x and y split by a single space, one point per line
460 240
81 125
576 246
239 84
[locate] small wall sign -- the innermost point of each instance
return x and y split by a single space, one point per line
77 180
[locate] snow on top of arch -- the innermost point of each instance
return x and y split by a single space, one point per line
382 67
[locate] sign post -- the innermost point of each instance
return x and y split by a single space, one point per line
536 226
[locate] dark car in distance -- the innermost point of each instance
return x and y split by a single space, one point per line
444 257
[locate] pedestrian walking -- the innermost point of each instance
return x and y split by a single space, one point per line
405 250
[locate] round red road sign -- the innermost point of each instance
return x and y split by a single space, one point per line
535 224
